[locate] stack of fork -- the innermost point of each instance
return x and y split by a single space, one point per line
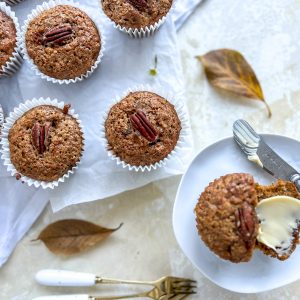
165 288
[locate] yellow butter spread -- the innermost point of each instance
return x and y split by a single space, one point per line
279 217
254 158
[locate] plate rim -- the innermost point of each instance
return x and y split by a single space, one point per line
176 201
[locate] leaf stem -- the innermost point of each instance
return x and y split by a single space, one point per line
119 226
268 109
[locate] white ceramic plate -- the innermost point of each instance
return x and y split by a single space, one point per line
262 273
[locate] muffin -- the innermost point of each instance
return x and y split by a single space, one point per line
8 38
217 212
63 42
136 14
232 217
142 129
10 60
45 143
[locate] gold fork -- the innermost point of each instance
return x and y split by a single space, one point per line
87 297
165 288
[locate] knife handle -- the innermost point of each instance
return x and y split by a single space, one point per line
296 180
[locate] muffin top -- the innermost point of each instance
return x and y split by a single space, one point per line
8 38
226 217
136 13
45 143
142 129
63 42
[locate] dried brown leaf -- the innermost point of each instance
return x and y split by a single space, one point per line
67 237
228 70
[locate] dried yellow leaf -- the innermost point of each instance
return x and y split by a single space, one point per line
228 70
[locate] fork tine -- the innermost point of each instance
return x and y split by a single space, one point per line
178 279
179 296
184 287
182 291
187 293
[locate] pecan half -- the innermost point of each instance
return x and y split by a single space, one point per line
143 126
58 35
66 109
140 5
41 136
246 220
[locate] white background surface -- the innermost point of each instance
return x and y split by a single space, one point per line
267 33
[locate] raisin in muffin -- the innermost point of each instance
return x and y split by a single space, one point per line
45 143
63 42
142 129
8 39
136 14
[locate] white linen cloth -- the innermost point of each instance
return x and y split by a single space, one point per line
126 64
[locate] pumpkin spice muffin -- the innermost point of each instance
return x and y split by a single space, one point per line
63 42
136 13
8 38
142 129
45 143
235 215
217 211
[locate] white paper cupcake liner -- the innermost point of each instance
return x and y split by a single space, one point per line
15 62
1 120
9 122
141 32
181 112
45 6
13 2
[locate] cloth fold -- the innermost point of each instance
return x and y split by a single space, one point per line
21 205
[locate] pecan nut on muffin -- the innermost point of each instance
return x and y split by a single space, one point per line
142 129
136 14
45 143
235 215
63 42
8 39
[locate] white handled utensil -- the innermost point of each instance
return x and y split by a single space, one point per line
65 278
65 297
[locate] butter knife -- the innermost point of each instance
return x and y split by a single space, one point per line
253 145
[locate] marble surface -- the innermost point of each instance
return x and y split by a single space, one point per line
267 33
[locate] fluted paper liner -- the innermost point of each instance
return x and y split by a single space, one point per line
15 62
9 122
48 5
144 31
1 119
182 115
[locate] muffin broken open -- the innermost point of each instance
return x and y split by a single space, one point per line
235 215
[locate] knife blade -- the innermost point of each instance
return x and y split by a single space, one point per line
273 163
253 145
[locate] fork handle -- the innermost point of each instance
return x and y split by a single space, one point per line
65 278
70 278
65 297
87 297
